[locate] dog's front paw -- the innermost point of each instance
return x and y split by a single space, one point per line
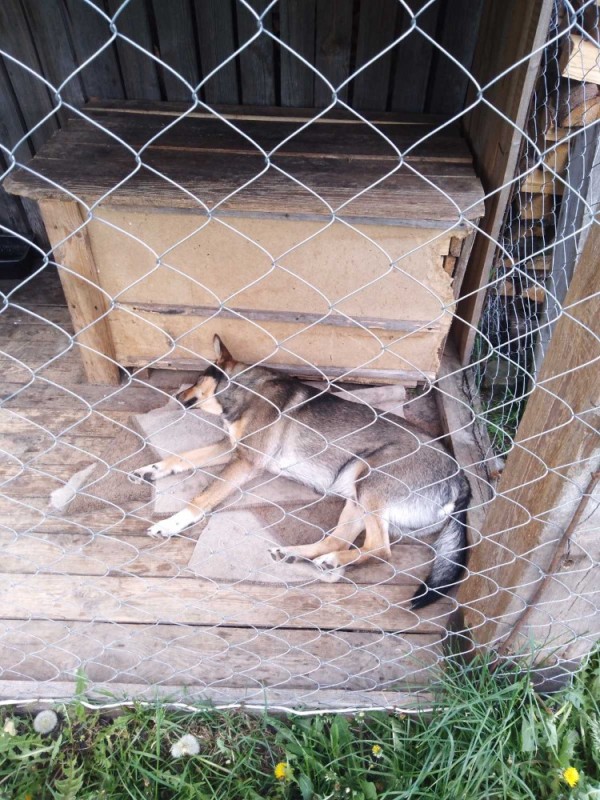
330 566
148 474
175 524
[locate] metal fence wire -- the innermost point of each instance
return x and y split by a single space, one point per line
355 293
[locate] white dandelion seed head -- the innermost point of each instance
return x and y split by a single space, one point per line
188 745
45 721
9 727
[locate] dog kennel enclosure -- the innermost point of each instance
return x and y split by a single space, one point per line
329 184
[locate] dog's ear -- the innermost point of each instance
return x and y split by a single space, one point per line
222 353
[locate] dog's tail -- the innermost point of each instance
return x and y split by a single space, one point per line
450 555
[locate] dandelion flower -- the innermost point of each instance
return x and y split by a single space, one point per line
282 771
188 745
10 727
377 751
45 722
571 776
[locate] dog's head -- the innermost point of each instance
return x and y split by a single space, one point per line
204 394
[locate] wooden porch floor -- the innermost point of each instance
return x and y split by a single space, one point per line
97 597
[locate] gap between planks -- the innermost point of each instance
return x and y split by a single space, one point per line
269 113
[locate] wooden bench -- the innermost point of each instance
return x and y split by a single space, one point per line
167 228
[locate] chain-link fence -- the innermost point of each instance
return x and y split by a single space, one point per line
377 219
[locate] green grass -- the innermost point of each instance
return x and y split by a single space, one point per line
490 736
502 400
502 420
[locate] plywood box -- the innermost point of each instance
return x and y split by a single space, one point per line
325 253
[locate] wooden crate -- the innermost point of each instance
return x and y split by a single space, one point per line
201 236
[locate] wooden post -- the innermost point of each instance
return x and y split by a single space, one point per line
531 528
572 229
79 280
510 31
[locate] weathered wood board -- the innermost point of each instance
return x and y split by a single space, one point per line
507 56
238 657
88 163
520 571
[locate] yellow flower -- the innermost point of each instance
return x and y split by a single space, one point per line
571 776
377 750
283 771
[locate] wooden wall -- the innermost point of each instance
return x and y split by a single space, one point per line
56 38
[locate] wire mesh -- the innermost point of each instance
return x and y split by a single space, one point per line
205 614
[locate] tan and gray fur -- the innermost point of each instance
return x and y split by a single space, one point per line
393 479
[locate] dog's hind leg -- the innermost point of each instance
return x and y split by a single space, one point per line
349 525
376 545
213 455
233 477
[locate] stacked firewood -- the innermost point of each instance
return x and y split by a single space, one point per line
575 104
528 271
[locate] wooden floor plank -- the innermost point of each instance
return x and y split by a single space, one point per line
80 422
42 451
26 315
30 514
135 398
63 368
205 603
35 695
155 655
78 553
116 553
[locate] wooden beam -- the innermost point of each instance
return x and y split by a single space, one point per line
572 228
547 473
79 278
510 31
567 593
